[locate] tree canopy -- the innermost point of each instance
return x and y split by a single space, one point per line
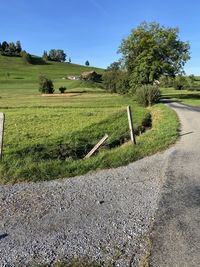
57 55
10 49
152 50
87 63
116 65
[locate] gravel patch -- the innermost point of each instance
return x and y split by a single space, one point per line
104 216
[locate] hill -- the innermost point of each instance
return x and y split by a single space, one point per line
15 68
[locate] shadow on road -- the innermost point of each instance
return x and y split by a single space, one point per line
3 236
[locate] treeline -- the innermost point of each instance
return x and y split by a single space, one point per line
15 50
10 49
57 55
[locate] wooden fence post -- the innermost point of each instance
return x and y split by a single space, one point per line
2 121
96 146
130 121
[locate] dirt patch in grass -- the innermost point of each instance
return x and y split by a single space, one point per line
62 95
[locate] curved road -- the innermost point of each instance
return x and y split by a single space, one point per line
108 215
176 235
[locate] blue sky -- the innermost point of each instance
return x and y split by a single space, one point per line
93 29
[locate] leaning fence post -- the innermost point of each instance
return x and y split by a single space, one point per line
96 146
2 121
130 121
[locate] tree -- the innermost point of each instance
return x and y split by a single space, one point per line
87 63
152 50
166 81
18 47
116 65
57 55
10 49
180 82
116 81
70 60
45 55
4 45
45 85
192 78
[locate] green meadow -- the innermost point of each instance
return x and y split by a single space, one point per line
187 97
48 137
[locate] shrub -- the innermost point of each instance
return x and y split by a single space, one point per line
110 79
62 89
26 57
147 95
180 82
116 81
45 85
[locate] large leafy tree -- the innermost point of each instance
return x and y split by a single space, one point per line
152 50
57 55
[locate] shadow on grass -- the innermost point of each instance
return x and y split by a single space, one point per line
182 96
39 61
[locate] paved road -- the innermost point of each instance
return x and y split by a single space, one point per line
176 235
107 215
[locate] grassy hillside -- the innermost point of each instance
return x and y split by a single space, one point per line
13 68
19 81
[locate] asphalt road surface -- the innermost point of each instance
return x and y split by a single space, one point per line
176 234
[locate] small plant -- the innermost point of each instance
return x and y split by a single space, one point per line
74 262
62 89
147 95
45 85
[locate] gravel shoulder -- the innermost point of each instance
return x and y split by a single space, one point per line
104 215
108 214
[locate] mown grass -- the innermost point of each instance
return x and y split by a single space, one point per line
38 137
26 162
183 96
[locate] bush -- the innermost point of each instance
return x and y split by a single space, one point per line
180 82
62 89
147 95
45 85
116 81
26 57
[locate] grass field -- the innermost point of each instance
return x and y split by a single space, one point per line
13 68
47 137
188 97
